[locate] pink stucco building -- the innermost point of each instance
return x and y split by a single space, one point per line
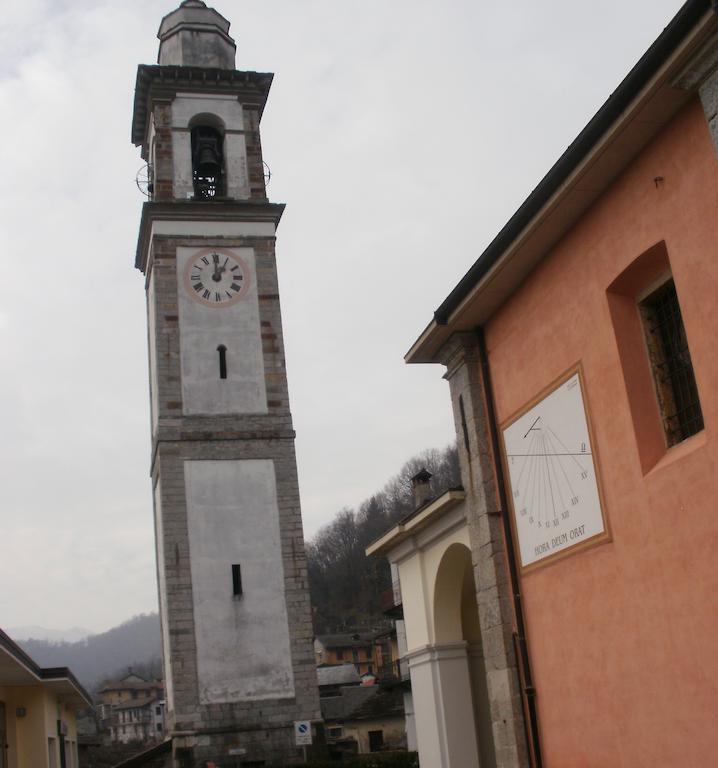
582 360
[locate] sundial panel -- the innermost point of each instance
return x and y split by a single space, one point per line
555 492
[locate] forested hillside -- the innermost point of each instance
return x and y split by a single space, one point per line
134 643
345 584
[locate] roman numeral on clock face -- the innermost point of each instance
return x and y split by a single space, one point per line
217 278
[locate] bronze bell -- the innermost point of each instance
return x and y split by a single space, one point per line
207 159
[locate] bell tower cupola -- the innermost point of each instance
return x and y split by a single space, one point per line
194 35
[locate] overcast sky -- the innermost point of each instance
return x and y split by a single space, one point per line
402 134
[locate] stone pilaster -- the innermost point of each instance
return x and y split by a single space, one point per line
701 76
491 576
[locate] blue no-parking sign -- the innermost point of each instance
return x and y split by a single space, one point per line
302 732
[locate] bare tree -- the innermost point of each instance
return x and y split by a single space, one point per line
344 583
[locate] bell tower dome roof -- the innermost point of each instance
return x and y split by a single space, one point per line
194 35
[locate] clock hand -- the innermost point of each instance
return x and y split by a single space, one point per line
217 274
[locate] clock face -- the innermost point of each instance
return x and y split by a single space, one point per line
216 277
555 492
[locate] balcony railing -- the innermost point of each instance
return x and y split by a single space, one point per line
140 719
396 671
390 601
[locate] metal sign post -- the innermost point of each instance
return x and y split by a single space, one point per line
303 735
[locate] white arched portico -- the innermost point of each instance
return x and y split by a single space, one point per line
432 553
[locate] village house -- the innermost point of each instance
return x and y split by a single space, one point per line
133 709
560 608
356 648
38 708
362 720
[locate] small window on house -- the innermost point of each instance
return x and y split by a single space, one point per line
159 726
236 580
207 162
376 740
671 364
52 751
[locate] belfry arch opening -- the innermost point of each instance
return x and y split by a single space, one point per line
208 163
456 620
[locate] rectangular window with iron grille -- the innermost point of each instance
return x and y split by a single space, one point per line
671 364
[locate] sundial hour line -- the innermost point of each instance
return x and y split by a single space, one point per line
538 483
565 474
530 453
563 445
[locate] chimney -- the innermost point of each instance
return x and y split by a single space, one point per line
422 488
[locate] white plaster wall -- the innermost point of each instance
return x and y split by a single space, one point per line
413 595
162 585
230 113
202 330
243 650
410 719
401 637
152 344
443 709
150 140
426 718
213 228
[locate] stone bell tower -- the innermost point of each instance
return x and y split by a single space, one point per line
231 567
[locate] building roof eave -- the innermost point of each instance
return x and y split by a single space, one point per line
59 678
639 107
253 87
416 522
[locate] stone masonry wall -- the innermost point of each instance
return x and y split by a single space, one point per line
262 728
255 164
493 589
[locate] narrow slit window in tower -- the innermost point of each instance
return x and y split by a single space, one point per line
222 361
236 580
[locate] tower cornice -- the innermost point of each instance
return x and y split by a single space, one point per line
203 210
155 81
